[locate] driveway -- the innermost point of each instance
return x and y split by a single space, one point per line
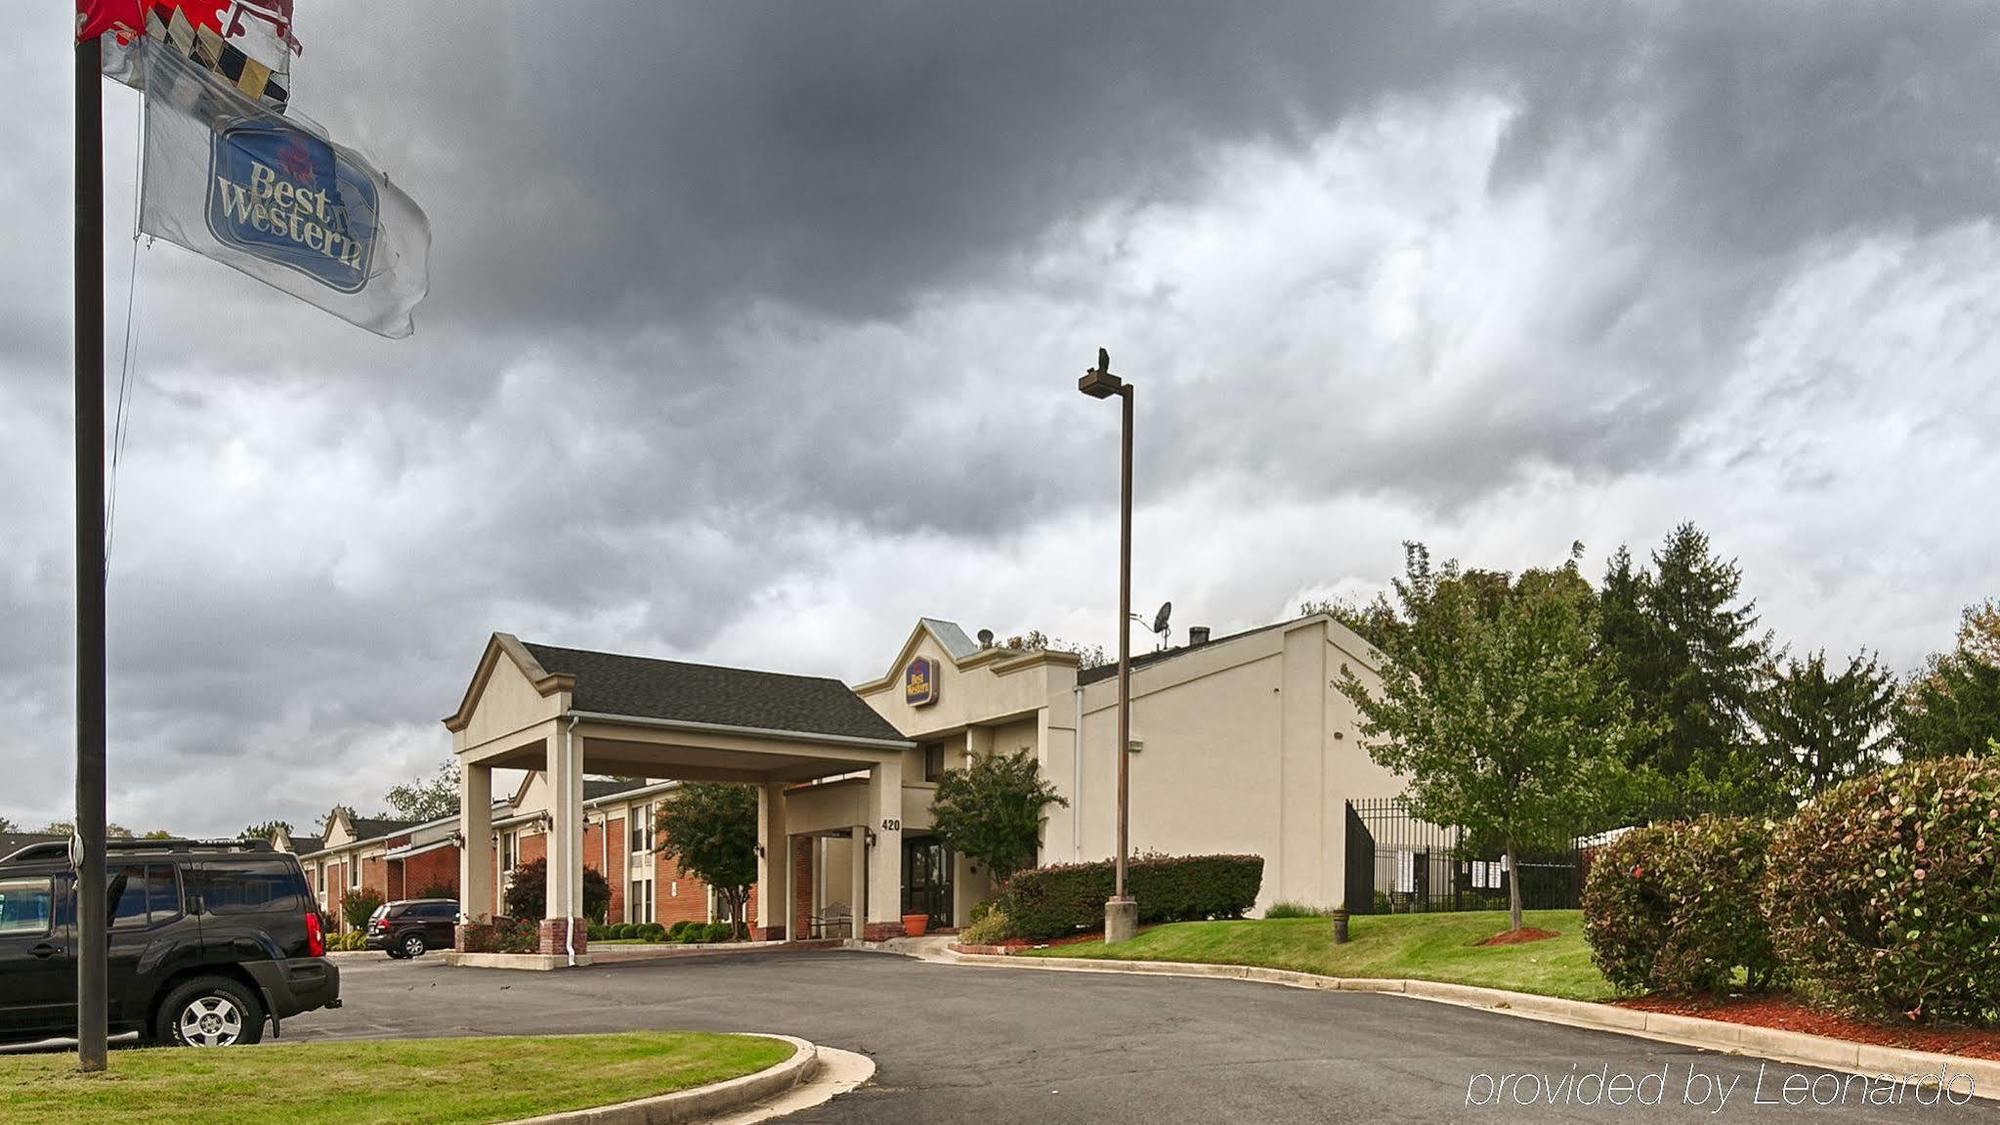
979 1044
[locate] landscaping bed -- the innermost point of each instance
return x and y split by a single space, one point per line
1788 1014
498 1078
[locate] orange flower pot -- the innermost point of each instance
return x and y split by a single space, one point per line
914 925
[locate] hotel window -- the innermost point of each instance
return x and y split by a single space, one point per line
642 827
509 843
934 762
640 901
354 873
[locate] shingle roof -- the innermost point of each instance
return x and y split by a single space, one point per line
306 845
1110 671
644 687
594 788
368 828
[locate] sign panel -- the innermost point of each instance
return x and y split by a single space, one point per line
286 196
920 682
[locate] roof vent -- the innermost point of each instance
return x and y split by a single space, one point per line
1197 635
986 638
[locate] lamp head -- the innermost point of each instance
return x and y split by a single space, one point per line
1098 383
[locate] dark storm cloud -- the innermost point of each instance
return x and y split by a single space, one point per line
713 282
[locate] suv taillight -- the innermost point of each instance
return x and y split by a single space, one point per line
315 935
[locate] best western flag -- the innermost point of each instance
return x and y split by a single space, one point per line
230 179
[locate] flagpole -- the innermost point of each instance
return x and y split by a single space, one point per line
88 849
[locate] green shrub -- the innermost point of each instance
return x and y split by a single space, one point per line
596 932
358 906
651 931
694 934
1053 901
1293 910
517 935
626 931
1884 892
675 931
1675 908
346 942
979 911
991 928
718 932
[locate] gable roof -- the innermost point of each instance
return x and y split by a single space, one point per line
953 638
596 788
648 688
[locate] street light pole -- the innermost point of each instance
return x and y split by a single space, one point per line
1121 913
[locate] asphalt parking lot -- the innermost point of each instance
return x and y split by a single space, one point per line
959 1043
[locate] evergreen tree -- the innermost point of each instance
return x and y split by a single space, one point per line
1828 727
1692 662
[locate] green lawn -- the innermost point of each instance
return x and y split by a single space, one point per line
399 1080
1439 947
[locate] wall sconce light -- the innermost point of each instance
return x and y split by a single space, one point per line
760 851
869 835
458 839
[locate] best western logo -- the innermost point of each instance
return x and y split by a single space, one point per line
287 196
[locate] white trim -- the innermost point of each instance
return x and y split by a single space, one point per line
759 732
408 850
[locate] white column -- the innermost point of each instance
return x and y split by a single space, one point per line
857 864
775 864
565 774
885 862
475 857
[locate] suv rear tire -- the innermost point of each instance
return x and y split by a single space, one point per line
210 1012
413 945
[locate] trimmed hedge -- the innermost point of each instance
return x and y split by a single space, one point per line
1675 908
1884 895
1046 902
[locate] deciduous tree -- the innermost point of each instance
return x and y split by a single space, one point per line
1952 707
528 892
710 829
993 811
431 798
1497 704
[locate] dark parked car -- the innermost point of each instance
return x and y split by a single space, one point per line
207 942
412 926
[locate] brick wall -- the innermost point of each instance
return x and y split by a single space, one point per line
616 830
677 895
440 867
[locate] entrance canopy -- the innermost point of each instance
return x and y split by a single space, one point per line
571 711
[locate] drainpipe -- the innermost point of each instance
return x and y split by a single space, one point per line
1076 783
569 923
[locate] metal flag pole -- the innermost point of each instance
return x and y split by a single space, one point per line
87 845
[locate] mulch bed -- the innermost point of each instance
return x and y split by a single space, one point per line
1038 943
1516 937
1788 1014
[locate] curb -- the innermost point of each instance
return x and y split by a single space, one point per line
1776 1044
701 1102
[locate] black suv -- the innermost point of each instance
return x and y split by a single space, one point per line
207 941
409 927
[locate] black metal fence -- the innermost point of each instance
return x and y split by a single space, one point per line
1398 863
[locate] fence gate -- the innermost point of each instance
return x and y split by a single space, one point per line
1398 862
1360 865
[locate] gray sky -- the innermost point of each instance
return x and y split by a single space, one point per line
754 330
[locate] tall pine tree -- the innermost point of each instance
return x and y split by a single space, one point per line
1952 707
1692 662
1828 727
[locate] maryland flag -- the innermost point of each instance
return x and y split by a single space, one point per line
228 175
248 45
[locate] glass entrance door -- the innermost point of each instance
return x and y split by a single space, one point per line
927 879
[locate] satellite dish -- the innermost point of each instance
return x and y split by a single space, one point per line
1160 618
